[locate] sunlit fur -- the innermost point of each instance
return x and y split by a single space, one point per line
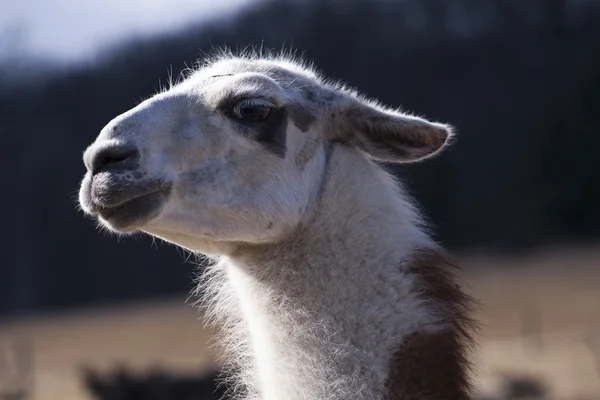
307 282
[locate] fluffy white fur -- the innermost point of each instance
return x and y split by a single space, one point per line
318 316
308 280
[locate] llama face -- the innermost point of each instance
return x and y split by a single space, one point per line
236 153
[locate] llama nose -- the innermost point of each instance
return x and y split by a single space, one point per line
115 157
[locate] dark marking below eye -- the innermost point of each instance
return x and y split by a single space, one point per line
273 132
301 118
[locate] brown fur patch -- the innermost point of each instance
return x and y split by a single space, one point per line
434 364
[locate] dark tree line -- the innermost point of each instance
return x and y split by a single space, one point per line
122 384
519 80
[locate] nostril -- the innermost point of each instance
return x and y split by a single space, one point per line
114 157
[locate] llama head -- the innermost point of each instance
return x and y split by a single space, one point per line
236 153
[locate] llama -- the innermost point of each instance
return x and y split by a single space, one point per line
325 279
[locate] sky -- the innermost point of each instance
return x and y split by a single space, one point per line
74 30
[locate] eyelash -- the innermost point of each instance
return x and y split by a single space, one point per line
229 104
256 102
233 109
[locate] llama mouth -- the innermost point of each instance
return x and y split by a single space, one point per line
110 190
134 213
121 203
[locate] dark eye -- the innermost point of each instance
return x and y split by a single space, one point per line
253 110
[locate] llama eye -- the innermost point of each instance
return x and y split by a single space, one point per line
253 110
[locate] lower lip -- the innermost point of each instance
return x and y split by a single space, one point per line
133 212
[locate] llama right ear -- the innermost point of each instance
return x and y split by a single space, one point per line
385 135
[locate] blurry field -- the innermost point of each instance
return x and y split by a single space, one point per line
541 317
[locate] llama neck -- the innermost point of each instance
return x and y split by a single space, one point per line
339 310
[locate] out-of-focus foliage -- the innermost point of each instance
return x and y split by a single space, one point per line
519 80
122 384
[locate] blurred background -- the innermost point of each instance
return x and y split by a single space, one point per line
517 198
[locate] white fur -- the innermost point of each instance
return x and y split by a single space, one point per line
319 317
308 280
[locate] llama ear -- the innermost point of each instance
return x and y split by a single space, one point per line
384 134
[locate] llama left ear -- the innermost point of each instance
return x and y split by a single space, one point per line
386 135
